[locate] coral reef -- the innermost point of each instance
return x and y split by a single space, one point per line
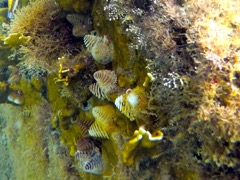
122 89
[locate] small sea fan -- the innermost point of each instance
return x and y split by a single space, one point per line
104 118
95 165
85 145
101 48
85 148
106 83
96 130
84 126
104 113
90 40
95 89
106 80
89 156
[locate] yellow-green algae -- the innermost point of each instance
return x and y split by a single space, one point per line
16 39
28 141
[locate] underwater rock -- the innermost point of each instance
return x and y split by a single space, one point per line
101 48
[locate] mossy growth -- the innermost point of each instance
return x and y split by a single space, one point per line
50 34
217 116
